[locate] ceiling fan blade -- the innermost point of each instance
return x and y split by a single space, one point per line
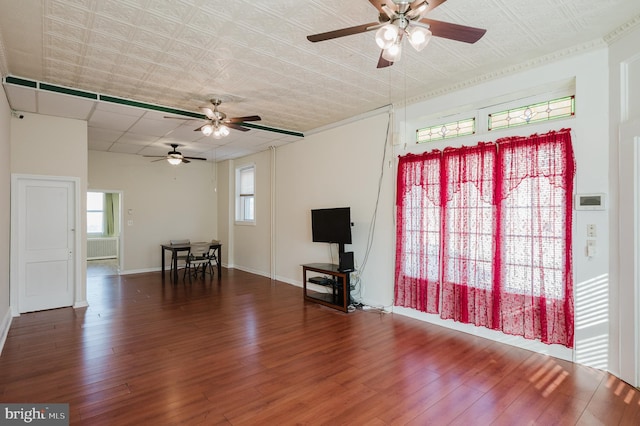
379 3
383 63
194 158
159 159
181 118
430 5
208 112
237 127
386 9
155 156
454 31
343 32
243 119
185 161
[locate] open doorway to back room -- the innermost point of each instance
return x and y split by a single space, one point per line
104 236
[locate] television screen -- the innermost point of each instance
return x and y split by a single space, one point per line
331 225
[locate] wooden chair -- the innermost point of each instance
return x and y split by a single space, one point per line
182 258
199 260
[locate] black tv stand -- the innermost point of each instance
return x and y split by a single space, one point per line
333 279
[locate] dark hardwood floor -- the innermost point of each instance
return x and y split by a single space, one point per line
247 350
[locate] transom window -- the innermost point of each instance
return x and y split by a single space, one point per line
528 114
453 129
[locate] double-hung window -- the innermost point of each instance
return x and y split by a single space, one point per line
245 194
95 213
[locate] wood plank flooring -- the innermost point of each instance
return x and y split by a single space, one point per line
247 350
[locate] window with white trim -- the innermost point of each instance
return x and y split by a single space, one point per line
245 194
95 213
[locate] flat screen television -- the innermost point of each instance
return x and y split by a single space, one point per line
331 225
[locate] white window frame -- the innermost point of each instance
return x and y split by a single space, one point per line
97 234
246 201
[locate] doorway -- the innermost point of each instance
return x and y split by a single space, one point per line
45 243
104 232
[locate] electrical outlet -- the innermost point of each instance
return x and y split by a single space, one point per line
591 230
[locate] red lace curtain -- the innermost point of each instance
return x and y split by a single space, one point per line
491 224
534 271
469 214
418 232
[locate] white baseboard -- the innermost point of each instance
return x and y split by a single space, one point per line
142 271
4 328
557 351
252 271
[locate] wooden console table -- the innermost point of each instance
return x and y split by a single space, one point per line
327 277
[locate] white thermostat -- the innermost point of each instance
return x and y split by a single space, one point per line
589 202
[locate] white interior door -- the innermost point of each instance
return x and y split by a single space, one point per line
46 239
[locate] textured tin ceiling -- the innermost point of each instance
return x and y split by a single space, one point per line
180 53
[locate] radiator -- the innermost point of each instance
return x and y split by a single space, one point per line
102 248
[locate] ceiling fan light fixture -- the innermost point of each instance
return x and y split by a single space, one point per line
386 36
393 53
207 129
174 161
220 132
419 37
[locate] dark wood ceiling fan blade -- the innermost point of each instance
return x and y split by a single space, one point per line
342 32
454 31
383 63
237 127
378 5
194 158
243 119
432 4
185 161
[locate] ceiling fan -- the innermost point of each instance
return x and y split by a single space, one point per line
218 124
175 157
402 18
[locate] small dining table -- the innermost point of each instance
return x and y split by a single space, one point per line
174 249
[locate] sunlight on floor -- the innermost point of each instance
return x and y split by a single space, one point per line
98 268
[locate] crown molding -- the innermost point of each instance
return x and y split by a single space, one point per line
622 30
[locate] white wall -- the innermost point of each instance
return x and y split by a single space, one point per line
251 249
5 213
53 146
160 202
340 167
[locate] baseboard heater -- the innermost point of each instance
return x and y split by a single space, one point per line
102 248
